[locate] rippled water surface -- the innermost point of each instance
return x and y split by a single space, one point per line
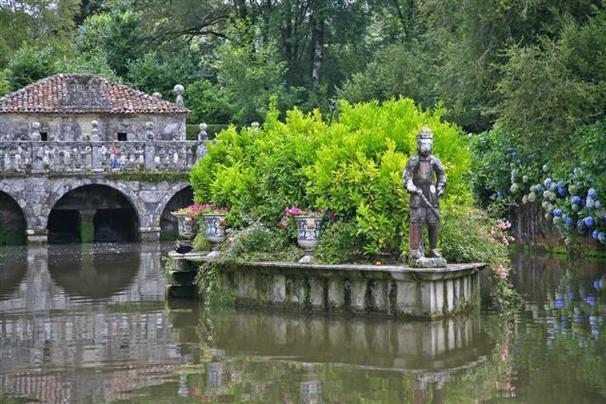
90 324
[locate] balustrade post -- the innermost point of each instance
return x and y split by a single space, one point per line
150 155
97 156
202 139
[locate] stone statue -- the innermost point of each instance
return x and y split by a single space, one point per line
425 179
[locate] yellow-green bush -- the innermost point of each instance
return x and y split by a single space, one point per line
351 166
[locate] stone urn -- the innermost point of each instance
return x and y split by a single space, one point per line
215 232
186 226
308 234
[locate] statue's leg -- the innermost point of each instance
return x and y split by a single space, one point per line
434 230
415 240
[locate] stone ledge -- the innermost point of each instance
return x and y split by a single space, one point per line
367 271
359 289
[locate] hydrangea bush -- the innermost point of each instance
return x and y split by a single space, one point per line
571 191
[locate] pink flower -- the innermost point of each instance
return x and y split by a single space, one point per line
502 272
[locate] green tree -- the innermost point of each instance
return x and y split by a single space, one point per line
118 35
249 73
37 23
550 89
30 64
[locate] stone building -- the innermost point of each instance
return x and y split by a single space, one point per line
63 139
67 106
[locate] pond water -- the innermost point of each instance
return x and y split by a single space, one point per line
90 324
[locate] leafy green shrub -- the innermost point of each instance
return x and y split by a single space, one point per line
257 242
200 242
470 235
338 244
351 167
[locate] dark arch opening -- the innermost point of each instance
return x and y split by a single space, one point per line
93 213
168 223
12 221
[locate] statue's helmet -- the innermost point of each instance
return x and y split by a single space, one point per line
425 141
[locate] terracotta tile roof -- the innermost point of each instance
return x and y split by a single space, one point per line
82 93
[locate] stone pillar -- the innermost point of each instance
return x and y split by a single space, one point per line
150 156
358 295
149 233
201 148
37 236
87 226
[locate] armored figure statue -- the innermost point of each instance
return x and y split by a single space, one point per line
425 179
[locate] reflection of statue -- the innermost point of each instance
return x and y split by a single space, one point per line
420 180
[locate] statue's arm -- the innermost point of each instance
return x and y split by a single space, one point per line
441 174
408 175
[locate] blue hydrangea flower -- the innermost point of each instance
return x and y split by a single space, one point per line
592 193
558 304
595 234
562 191
576 200
568 221
596 284
589 203
557 212
588 222
547 182
597 204
590 300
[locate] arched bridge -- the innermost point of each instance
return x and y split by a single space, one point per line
79 191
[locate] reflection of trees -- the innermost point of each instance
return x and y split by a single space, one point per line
561 356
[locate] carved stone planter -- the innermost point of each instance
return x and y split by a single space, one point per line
215 232
186 226
308 234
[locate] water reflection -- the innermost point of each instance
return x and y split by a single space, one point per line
295 357
90 324
11 275
75 314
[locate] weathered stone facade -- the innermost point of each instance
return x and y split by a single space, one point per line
72 131
36 196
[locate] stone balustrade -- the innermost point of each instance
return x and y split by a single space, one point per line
380 291
100 156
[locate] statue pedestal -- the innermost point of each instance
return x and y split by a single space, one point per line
391 291
425 262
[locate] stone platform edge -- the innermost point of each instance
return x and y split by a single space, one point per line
367 271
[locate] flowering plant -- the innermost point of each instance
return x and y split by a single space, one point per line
297 211
499 232
196 211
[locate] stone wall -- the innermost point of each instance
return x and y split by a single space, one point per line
38 195
77 127
385 291
12 221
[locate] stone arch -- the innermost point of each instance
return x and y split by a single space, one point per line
73 217
13 219
63 188
183 190
170 194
